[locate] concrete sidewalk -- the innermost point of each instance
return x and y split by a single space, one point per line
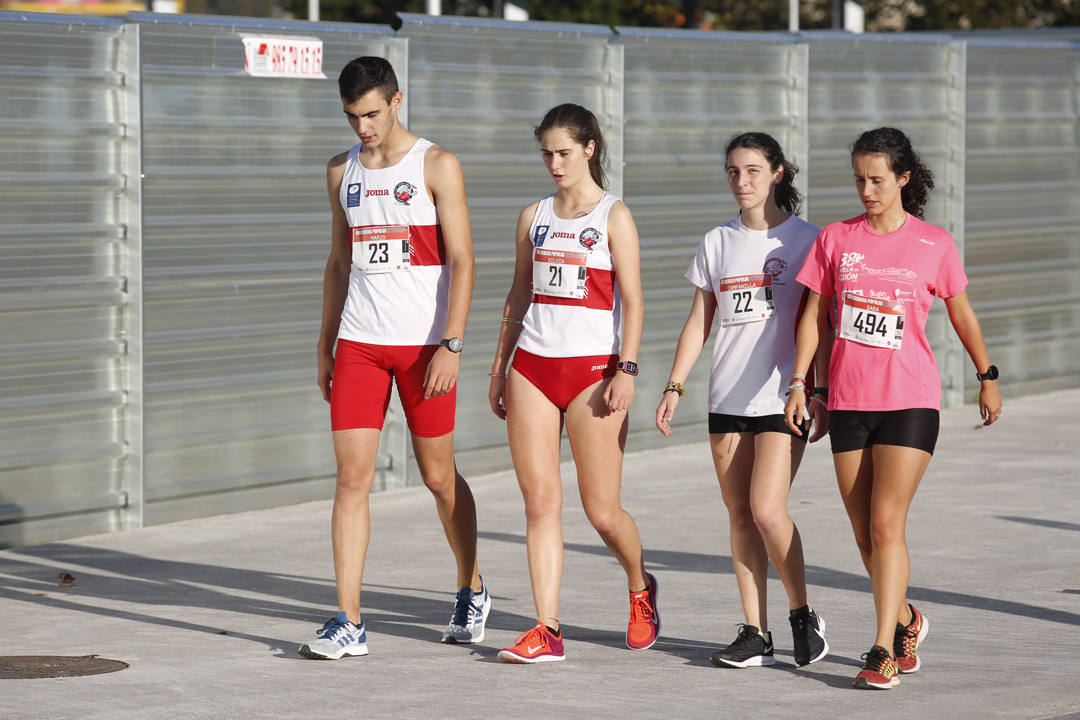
209 612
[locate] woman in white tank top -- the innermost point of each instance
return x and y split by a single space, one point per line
745 272
577 279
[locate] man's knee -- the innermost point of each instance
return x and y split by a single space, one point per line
355 477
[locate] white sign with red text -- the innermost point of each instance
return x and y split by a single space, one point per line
281 56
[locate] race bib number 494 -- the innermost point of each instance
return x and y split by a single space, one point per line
559 273
380 248
870 321
745 298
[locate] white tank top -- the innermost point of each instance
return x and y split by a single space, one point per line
575 308
398 287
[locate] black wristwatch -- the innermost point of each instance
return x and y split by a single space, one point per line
990 374
821 392
629 367
453 344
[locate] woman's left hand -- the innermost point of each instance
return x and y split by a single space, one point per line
619 392
990 403
819 416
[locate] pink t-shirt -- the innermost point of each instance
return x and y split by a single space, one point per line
884 286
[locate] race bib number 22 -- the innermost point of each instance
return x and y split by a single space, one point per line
745 298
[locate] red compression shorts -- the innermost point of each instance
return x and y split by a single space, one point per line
562 379
360 389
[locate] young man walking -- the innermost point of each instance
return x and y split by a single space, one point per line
396 294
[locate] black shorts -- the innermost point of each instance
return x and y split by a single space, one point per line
858 429
763 423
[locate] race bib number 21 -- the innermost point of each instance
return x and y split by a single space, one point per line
559 273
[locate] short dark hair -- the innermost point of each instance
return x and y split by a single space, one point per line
364 74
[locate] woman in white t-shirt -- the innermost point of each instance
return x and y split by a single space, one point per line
745 270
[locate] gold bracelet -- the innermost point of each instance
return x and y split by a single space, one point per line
511 320
673 386
496 374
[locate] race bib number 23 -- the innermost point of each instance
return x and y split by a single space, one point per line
879 323
380 248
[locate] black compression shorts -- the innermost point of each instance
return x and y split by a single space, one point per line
858 429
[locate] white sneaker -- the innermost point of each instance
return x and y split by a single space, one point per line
337 638
470 614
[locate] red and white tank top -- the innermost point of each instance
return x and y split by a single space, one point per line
398 287
575 308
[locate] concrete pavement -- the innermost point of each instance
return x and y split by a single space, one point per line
209 612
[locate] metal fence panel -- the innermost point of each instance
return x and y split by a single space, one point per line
686 94
478 87
64 203
912 82
237 231
1023 203
159 334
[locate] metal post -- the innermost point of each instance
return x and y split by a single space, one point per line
313 10
793 16
434 7
133 435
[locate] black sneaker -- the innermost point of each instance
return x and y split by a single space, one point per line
808 629
750 649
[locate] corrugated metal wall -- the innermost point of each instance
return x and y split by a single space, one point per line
686 94
915 83
65 196
210 404
237 229
1023 207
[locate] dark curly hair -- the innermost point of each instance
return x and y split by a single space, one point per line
902 158
787 197
582 126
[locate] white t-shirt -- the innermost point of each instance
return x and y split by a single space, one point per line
752 274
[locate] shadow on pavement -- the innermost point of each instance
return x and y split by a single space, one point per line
677 561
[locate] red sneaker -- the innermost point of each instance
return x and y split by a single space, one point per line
907 640
879 671
644 626
535 646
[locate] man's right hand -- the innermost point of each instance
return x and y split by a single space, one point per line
326 373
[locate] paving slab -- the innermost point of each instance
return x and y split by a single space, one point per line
208 613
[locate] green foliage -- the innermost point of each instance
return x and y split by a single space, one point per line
739 15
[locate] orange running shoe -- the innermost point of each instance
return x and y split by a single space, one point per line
535 646
907 640
879 671
644 626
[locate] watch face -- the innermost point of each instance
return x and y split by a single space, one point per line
455 344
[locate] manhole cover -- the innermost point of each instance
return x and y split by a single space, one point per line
17 667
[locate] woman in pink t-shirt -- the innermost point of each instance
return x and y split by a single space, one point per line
882 270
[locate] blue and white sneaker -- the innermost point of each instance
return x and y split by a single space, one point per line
470 614
336 639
